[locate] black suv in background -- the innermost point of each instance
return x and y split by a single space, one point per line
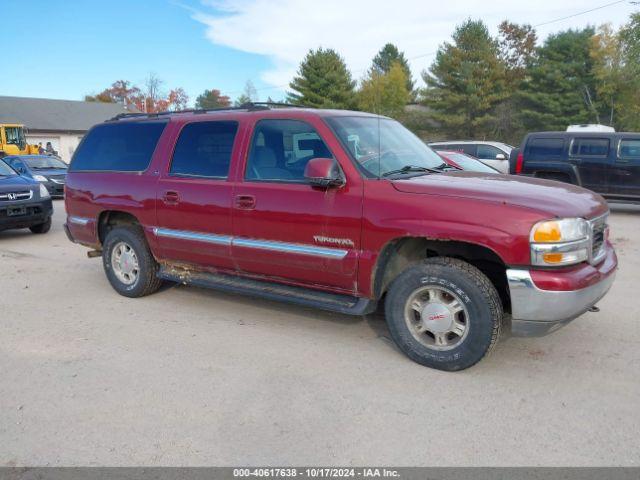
24 203
606 163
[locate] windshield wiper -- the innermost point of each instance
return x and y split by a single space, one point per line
410 168
445 166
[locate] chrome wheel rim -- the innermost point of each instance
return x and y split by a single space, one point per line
124 263
437 318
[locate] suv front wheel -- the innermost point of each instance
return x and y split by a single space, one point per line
128 262
444 313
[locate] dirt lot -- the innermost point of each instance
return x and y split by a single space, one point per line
194 377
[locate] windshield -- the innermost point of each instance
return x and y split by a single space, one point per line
6 170
45 163
382 146
468 163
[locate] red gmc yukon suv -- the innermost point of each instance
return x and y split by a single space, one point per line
341 211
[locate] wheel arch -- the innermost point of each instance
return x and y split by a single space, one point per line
401 252
108 219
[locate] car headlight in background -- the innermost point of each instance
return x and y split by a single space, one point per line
44 193
40 178
560 242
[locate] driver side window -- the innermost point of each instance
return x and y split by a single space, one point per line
281 149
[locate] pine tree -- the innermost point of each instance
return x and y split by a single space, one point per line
561 89
466 83
387 57
323 81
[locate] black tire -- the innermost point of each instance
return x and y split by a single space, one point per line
41 227
476 293
147 281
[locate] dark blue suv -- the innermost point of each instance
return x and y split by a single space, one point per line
24 203
49 171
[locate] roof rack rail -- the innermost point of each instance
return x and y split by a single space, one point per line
250 106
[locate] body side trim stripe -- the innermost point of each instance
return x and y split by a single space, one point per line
200 237
290 248
249 243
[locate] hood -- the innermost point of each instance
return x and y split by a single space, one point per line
555 199
10 184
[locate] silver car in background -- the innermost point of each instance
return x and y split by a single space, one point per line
494 154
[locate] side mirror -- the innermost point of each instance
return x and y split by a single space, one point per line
501 156
323 172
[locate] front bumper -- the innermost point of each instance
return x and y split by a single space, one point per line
537 312
36 213
55 189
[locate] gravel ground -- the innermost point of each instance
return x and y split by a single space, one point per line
194 377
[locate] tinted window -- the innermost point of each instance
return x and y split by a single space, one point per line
630 148
591 147
545 148
119 147
204 149
487 152
281 149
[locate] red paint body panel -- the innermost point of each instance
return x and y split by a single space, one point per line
494 211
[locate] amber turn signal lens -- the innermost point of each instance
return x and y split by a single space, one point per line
553 257
547 232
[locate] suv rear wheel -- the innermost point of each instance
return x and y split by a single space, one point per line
128 263
444 313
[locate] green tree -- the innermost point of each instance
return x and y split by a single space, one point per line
323 81
609 73
466 83
388 56
517 51
385 93
629 117
561 89
211 99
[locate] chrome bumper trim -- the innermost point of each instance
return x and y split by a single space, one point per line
537 312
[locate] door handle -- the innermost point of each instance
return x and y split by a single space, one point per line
246 202
171 198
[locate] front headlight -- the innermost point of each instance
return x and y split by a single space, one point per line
40 178
560 242
44 193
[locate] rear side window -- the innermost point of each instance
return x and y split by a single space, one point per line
629 148
118 147
488 152
545 148
590 147
204 149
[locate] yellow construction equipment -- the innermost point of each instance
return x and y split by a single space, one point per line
14 142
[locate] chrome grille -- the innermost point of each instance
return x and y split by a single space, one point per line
598 229
12 196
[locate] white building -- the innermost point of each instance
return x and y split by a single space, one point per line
61 122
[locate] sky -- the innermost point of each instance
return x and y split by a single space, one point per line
69 48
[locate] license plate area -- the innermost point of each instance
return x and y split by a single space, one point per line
16 211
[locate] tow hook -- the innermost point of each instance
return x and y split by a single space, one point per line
594 309
94 253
